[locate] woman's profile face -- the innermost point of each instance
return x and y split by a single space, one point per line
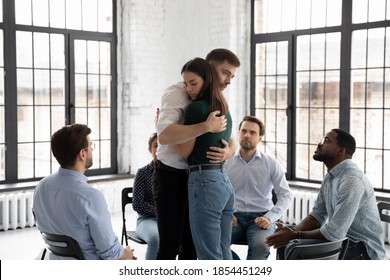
193 84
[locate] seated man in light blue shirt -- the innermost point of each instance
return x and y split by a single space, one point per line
65 204
254 175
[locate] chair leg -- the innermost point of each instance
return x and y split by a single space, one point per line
43 254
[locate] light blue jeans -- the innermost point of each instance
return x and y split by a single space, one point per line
248 231
147 230
211 203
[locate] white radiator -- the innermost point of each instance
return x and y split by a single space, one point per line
302 204
16 210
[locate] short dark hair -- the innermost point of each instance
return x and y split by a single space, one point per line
67 142
345 140
151 139
255 120
218 56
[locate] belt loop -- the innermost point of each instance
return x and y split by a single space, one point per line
200 169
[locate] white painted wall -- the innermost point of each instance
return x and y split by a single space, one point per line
155 39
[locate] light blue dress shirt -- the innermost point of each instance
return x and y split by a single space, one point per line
253 182
65 204
346 206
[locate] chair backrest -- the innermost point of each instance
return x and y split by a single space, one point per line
334 250
127 198
385 215
62 245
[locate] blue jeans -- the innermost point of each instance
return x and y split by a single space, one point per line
248 231
147 230
211 202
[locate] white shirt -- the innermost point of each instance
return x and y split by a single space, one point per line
253 182
173 105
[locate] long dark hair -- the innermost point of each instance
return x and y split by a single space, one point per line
210 90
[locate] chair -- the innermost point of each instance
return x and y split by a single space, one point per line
385 215
334 250
62 245
127 198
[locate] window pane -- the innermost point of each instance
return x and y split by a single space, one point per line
81 90
23 12
105 147
23 49
317 89
42 123
333 14
81 115
260 92
357 125
359 11
274 15
57 13
303 53
41 87
41 50
2 128
358 59
42 159
93 57
105 19
282 59
25 87
303 14
105 91
57 51
303 87
386 131
317 52
302 126
25 123
332 119
270 92
358 88
260 59
270 59
333 50
105 123
302 161
288 14
93 90
375 50
105 58
318 13
387 88
57 80
1 20
94 123
387 63
89 15
260 16
376 10
332 88
40 13
374 131
375 88
80 56
374 167
25 161
73 14
57 118
281 92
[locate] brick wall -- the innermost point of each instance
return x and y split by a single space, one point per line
155 38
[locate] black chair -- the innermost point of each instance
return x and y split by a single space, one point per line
385 215
334 250
127 198
62 245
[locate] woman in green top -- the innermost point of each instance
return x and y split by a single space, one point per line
210 193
